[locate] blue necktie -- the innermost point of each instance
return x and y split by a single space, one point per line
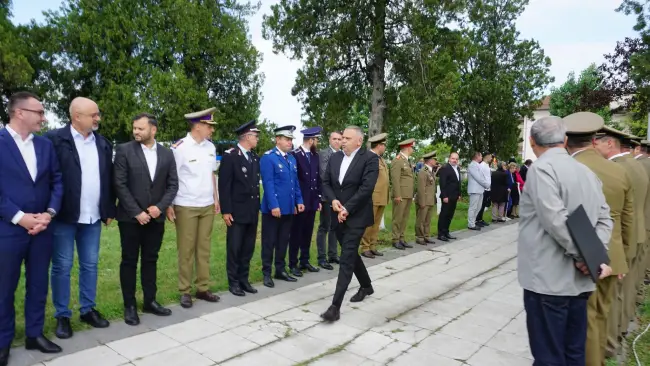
308 158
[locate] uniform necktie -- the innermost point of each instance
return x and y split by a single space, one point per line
248 156
308 157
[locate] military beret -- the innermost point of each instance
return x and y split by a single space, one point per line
247 127
204 116
378 138
406 143
583 123
430 155
286 131
312 132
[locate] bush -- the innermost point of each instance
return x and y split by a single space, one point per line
463 188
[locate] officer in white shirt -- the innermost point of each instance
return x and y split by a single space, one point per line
195 205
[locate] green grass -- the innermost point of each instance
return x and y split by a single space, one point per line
109 295
643 344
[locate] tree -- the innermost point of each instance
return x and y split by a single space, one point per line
381 53
502 81
586 93
167 57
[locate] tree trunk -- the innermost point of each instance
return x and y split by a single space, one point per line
378 74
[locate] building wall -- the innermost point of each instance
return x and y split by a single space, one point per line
526 150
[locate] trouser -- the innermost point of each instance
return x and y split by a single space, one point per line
557 328
598 311
401 213
498 210
325 230
140 241
641 268
371 234
275 240
87 237
446 215
36 252
485 204
629 296
351 262
614 319
193 231
475 204
240 246
423 221
302 229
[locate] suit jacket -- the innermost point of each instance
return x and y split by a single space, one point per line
646 164
426 195
355 193
380 194
323 158
619 195
476 182
449 182
523 171
71 170
18 192
280 182
308 178
499 186
639 180
401 174
239 186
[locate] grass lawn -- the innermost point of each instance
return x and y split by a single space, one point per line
109 295
643 344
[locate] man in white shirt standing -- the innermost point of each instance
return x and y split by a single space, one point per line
476 185
86 160
487 174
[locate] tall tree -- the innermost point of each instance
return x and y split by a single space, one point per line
369 52
502 81
168 57
588 92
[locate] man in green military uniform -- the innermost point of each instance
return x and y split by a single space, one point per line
380 197
602 306
425 199
645 149
642 248
401 175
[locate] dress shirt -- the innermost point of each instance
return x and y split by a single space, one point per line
196 163
487 174
244 151
618 155
345 164
455 167
151 156
26 148
577 152
90 178
638 156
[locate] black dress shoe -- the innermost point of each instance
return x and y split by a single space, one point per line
295 271
63 328
334 260
268 282
406 245
285 276
42 344
207 296
332 314
368 254
325 265
186 301
362 293
429 241
236 290
4 356
450 237
443 238
475 228
95 319
399 246
377 253
131 315
156 309
308 267
248 288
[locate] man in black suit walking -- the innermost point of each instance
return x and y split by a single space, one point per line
449 194
348 184
146 183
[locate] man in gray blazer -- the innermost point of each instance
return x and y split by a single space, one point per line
146 183
330 254
476 185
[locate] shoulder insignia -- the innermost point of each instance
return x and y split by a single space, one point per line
228 151
177 143
268 152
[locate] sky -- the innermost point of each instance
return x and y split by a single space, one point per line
573 33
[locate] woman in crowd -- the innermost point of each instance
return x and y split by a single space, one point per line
515 189
499 193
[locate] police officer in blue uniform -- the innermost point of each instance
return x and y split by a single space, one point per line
239 192
310 186
282 200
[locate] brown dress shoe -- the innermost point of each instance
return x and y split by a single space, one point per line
368 254
207 296
421 241
377 253
186 301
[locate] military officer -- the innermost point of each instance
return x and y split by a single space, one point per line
302 227
239 188
642 249
401 174
380 198
195 205
645 148
603 306
425 199
282 199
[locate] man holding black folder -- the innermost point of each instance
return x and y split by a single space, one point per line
550 269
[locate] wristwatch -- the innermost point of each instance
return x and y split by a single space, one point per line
51 212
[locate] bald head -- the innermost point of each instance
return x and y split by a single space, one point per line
84 115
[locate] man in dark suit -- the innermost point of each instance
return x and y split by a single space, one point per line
146 183
86 160
348 184
449 194
239 190
523 171
327 253
30 195
302 227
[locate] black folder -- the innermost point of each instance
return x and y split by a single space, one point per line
586 240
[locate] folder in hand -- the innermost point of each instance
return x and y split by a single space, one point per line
589 246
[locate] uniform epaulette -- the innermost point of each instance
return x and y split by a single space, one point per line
177 143
268 152
229 150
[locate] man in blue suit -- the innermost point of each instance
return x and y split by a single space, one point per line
281 201
310 186
30 195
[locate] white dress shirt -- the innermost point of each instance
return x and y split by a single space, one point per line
619 154
151 156
196 163
345 164
90 178
456 171
638 156
26 148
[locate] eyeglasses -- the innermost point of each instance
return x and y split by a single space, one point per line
40 113
93 115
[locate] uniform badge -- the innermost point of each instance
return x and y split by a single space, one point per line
243 169
280 165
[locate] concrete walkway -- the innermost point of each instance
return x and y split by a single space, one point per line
456 304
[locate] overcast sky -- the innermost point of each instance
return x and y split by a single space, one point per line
574 33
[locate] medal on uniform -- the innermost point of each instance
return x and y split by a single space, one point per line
243 169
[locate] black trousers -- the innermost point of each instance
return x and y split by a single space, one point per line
446 215
351 262
276 233
302 229
140 241
486 204
240 245
326 231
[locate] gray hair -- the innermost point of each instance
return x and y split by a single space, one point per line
358 130
548 131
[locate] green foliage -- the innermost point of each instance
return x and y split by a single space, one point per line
586 93
267 137
463 188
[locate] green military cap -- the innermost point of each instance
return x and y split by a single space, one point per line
583 123
608 131
378 138
204 116
406 143
430 155
645 142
